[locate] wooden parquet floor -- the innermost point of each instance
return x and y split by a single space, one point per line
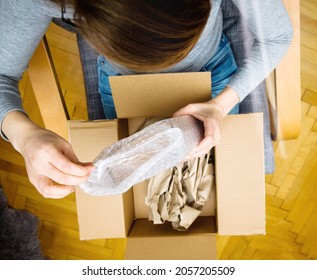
291 192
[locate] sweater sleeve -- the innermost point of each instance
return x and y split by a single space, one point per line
22 26
272 30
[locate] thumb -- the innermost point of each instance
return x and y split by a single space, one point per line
187 110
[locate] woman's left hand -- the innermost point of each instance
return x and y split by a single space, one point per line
211 113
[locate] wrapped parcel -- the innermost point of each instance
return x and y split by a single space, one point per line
142 155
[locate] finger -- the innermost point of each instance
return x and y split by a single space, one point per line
63 178
180 112
69 153
202 148
211 139
190 109
64 164
48 189
213 131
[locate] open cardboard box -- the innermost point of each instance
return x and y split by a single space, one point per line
238 208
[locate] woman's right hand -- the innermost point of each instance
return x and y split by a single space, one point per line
51 163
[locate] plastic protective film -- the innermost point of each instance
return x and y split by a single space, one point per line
142 155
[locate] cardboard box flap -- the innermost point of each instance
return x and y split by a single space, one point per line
161 242
172 248
96 218
103 133
93 211
240 176
158 95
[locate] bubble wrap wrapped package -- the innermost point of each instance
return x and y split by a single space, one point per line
142 155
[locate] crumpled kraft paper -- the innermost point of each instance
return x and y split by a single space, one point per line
178 195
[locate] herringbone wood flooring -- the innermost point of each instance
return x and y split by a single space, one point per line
291 192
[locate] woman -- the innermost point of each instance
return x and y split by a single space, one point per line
134 37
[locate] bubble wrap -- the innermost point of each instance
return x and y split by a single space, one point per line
142 155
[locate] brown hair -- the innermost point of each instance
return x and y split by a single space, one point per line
142 35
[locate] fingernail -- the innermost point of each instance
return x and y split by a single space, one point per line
189 157
195 155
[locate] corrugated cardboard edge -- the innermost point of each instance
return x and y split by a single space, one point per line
188 247
161 242
159 95
240 180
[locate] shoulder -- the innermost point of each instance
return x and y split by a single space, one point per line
269 15
46 7
40 7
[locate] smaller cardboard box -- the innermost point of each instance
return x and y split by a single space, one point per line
237 206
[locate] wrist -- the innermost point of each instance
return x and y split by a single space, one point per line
226 100
15 126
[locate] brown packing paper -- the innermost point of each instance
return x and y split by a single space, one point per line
179 194
142 212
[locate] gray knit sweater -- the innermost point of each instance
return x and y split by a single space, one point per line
23 23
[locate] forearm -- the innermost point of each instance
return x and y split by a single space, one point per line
272 31
10 99
20 33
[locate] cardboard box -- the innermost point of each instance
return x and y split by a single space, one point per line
237 208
